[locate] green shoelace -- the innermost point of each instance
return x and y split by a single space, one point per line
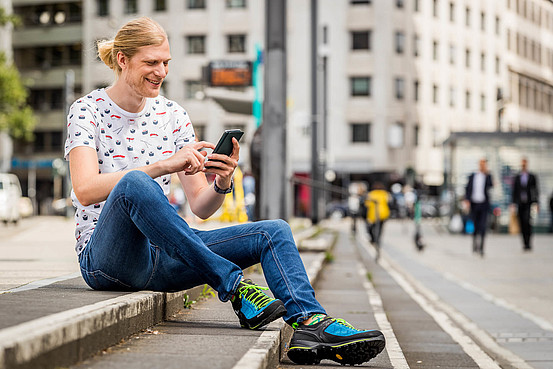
253 293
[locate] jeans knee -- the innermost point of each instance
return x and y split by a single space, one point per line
137 183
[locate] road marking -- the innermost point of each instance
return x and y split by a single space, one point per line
42 283
397 359
540 322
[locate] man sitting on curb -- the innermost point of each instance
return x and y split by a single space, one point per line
123 144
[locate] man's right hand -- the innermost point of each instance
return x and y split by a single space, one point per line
189 159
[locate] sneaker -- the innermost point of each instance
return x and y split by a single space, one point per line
334 339
253 307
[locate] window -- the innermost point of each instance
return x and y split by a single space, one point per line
451 54
416 90
102 8
416 133
360 2
195 44
451 12
435 8
435 94
416 45
160 5
361 132
193 89
497 65
497 26
360 86
48 141
361 40
482 102
396 134
399 84
399 4
131 6
236 43
435 50
236 3
416 6
483 21
452 96
467 16
400 42
196 4
483 62
467 58
467 99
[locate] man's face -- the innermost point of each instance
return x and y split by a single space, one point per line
524 165
483 166
147 69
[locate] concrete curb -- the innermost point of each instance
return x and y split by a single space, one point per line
64 338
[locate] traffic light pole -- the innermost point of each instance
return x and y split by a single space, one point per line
273 154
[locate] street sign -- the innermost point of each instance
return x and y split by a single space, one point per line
229 73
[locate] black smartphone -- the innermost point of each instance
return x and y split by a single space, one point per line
224 146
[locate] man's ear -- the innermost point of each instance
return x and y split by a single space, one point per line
122 60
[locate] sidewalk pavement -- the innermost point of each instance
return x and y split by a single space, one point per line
501 302
59 320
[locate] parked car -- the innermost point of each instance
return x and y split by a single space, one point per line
10 193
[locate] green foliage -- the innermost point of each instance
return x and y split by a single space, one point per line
16 117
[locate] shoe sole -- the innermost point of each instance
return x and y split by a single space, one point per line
279 311
353 353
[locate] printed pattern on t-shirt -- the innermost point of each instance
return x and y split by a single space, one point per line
122 141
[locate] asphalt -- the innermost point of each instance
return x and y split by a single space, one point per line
443 307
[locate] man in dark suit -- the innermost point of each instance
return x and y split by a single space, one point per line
525 193
477 197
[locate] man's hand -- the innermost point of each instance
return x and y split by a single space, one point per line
223 166
189 159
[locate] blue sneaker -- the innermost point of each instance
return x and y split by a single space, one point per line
253 307
334 339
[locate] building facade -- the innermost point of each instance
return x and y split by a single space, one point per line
399 75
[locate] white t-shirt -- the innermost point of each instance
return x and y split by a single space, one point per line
479 188
123 141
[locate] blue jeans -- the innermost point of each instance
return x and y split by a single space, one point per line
141 243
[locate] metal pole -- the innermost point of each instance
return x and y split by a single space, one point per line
273 133
314 131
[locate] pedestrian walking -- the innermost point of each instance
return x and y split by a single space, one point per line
378 211
551 213
477 198
123 144
525 196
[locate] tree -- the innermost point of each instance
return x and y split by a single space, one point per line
16 117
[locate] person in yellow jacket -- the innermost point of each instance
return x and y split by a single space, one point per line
377 210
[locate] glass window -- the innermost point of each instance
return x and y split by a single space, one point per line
160 5
131 6
467 99
435 8
102 8
399 4
196 4
361 40
400 42
483 62
467 58
451 54
452 97
361 132
236 43
193 89
451 12
467 16
416 85
236 3
360 86
399 84
416 45
360 2
435 94
482 102
435 50
195 44
416 5
416 133
396 135
483 21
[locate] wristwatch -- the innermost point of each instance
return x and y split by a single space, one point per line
221 191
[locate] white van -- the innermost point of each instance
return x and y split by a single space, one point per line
10 194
